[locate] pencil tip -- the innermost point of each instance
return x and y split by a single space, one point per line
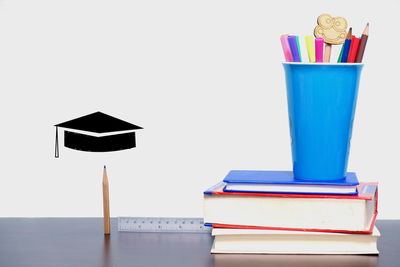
349 33
366 30
104 166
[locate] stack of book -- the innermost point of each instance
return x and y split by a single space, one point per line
271 212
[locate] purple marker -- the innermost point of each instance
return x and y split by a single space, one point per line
293 48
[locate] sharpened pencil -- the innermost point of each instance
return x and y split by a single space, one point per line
346 46
106 203
363 43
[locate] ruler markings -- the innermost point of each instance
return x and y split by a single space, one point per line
164 224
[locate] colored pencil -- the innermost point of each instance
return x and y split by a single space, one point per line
319 49
353 49
298 47
293 48
310 48
346 47
363 43
286 48
106 203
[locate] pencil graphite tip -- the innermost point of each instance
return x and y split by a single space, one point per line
104 166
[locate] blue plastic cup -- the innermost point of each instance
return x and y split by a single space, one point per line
321 101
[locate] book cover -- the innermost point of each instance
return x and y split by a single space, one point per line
282 177
291 188
365 191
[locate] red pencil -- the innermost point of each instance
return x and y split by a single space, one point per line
355 42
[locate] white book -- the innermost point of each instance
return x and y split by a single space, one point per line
340 213
292 242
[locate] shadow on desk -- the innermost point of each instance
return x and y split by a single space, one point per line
107 251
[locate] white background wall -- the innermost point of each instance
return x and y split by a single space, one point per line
204 79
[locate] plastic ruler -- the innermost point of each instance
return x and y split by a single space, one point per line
172 225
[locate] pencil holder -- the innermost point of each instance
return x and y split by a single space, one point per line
321 103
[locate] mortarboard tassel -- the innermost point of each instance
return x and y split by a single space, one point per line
57 154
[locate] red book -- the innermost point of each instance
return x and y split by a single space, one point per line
355 43
293 212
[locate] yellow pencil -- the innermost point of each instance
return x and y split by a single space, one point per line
106 203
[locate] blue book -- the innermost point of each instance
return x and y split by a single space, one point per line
284 182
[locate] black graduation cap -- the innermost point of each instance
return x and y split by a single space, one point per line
97 132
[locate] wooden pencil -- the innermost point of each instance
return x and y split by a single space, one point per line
346 47
106 203
363 43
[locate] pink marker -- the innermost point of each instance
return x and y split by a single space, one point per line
319 50
286 48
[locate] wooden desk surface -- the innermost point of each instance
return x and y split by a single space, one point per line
80 242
